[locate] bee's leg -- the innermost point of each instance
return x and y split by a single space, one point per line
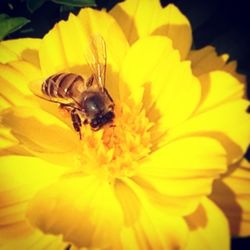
63 109
68 247
90 81
85 122
63 105
76 120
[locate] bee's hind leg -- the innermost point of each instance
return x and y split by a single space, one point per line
64 109
76 121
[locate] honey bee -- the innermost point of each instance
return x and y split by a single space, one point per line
87 102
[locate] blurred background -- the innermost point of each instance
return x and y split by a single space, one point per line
225 24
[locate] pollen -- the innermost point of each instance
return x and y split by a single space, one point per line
114 151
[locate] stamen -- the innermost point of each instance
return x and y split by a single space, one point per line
116 149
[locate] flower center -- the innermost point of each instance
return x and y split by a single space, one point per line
114 151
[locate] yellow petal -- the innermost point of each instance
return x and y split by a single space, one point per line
146 226
40 132
232 195
3 103
141 18
231 68
21 177
11 95
58 54
206 60
22 49
228 123
14 79
218 88
166 81
169 179
208 228
6 138
81 208
35 240
37 173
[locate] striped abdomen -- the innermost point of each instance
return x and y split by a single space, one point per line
63 85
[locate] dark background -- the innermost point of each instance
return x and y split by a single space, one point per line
221 23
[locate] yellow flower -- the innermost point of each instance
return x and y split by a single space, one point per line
140 184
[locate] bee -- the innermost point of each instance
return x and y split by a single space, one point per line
87 101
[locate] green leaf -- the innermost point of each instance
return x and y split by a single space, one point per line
76 3
65 8
33 5
10 24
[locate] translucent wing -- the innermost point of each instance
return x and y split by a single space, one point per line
96 57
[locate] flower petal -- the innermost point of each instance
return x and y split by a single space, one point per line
21 177
7 139
232 195
22 49
14 79
141 18
208 228
169 179
222 110
146 226
35 240
166 81
206 60
3 103
57 53
81 208
42 134
218 88
231 68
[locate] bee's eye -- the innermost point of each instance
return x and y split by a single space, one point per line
93 105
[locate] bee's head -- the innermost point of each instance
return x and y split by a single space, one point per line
93 105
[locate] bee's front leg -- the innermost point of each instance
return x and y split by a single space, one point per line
76 120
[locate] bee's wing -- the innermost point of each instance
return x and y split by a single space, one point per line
96 57
36 88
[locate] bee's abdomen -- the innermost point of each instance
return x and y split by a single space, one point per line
61 85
